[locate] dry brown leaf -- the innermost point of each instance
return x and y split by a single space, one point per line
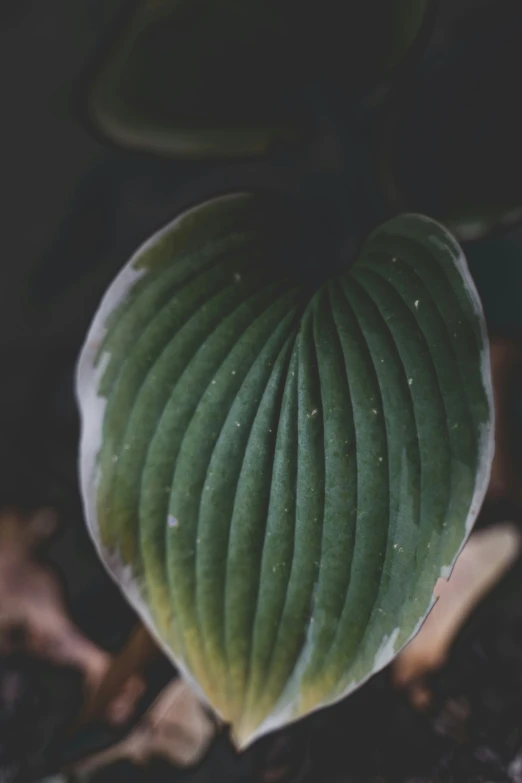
485 558
176 728
33 612
112 693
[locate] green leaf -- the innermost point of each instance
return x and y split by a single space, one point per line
278 458
196 78
452 148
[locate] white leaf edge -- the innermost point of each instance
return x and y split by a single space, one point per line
92 409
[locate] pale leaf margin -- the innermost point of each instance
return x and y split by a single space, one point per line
89 373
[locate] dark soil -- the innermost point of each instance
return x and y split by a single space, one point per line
36 702
471 734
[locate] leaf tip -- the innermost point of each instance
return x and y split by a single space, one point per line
242 735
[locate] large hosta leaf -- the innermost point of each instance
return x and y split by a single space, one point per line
279 459
227 77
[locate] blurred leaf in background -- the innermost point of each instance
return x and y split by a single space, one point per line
452 146
201 78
